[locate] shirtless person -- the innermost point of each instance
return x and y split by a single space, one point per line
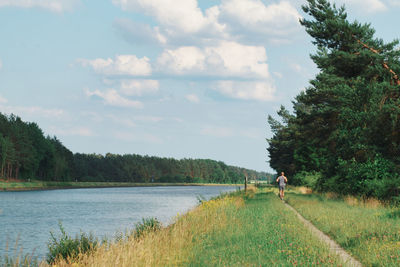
282 182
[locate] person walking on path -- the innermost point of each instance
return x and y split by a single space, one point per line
282 180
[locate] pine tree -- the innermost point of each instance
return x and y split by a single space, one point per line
347 122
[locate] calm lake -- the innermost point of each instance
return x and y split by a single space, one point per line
30 216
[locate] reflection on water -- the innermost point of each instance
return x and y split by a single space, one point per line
30 216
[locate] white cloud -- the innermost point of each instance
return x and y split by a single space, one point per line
130 137
183 22
121 65
296 67
52 5
299 69
278 74
251 133
193 98
122 121
92 116
32 111
73 131
369 6
217 131
133 121
261 91
222 132
152 119
243 16
3 100
394 2
181 15
225 59
139 32
112 98
179 120
182 60
139 87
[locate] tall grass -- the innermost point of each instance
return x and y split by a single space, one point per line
239 229
18 257
369 230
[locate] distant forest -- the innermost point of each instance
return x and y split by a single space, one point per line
25 153
344 133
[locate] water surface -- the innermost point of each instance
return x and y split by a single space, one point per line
30 216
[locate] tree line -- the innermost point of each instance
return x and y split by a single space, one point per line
137 168
25 153
344 132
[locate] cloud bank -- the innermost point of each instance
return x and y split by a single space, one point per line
121 65
111 97
57 6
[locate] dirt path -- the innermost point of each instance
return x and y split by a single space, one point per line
349 260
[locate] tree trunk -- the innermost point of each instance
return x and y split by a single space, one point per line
9 171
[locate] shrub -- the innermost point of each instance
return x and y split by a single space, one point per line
67 247
375 177
308 179
145 226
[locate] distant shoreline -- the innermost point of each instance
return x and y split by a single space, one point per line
16 186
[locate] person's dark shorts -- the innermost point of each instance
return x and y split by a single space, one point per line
281 187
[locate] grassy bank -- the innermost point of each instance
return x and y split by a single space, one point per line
253 229
368 230
44 185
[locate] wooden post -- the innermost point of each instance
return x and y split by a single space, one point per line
245 183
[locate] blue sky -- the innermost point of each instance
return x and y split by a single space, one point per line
170 78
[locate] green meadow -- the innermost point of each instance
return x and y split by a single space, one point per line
367 229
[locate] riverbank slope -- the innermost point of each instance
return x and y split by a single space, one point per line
18 185
239 229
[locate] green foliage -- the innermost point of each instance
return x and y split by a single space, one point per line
308 179
67 247
346 124
374 178
145 226
136 168
25 153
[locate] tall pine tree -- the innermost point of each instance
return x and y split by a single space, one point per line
346 123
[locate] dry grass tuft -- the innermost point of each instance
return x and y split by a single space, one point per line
352 201
305 190
251 191
170 246
371 203
331 195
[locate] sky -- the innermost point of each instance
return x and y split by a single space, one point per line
169 78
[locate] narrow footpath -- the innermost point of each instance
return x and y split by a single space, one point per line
347 258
